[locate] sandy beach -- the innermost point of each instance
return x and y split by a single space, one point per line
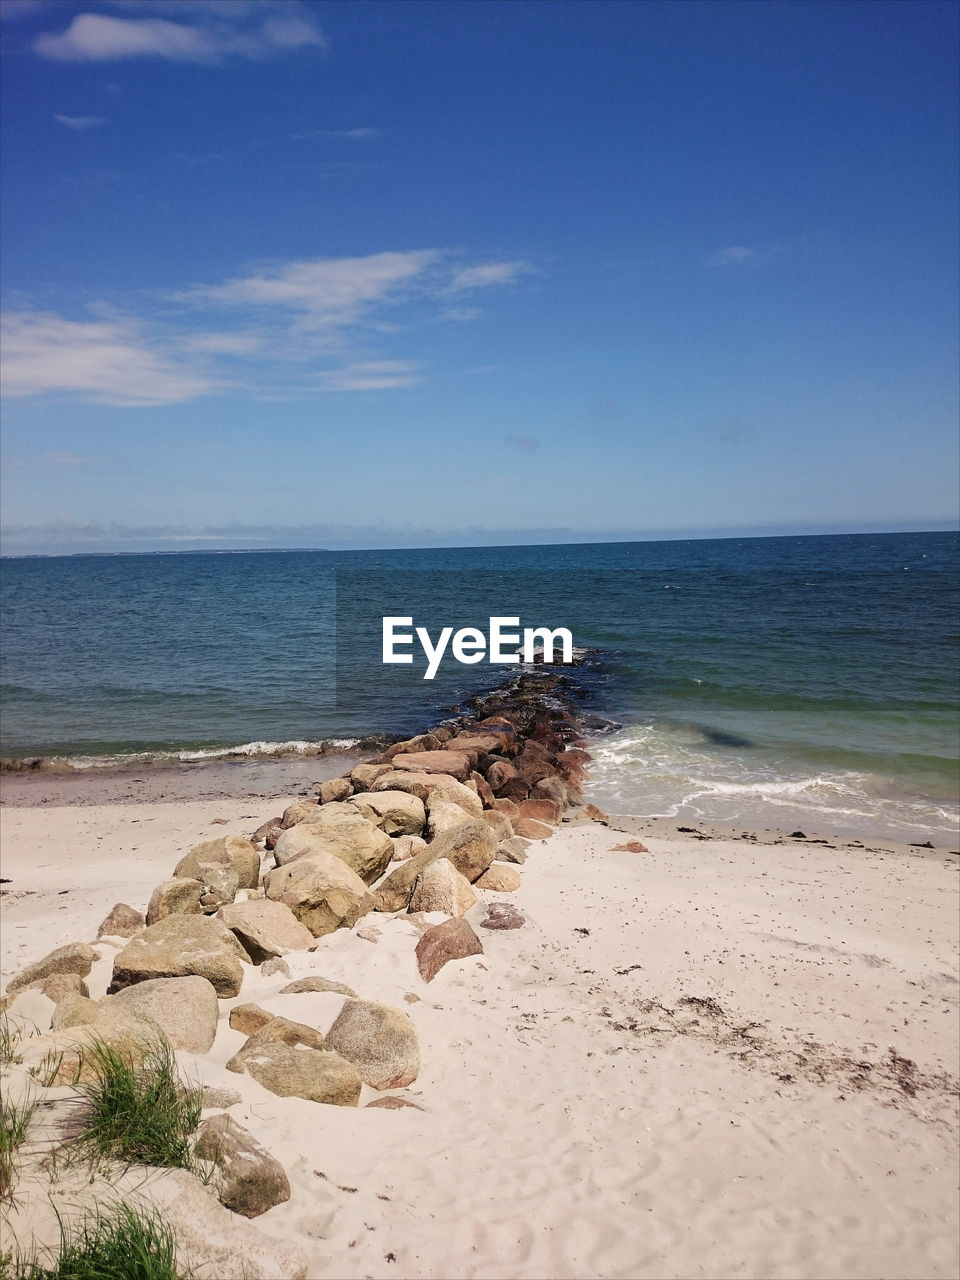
731 1055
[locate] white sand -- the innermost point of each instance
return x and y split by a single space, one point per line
579 1120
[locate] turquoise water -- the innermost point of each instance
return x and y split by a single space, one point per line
779 680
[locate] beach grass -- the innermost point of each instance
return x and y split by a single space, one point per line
122 1243
10 1037
138 1113
15 1120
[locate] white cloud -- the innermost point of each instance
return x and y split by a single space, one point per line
351 135
104 361
80 122
486 274
98 37
330 290
224 344
735 256
370 375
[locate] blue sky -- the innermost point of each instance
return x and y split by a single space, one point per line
363 274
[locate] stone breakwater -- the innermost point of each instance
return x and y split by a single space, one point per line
427 831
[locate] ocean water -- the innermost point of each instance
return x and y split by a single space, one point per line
799 682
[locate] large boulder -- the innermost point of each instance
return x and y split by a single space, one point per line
364 776
233 851
441 887
455 763
499 774
512 850
180 947
444 814
248 1179
213 1241
56 988
499 823
314 1074
249 1018
406 846
502 878
121 921
220 885
75 957
452 940
543 810
185 1009
531 829
335 789
179 896
265 928
299 811
471 847
380 1041
273 1031
398 813
316 983
321 890
351 838
424 785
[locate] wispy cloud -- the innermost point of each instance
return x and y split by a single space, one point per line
80 122
104 361
736 256
351 135
49 460
102 37
488 273
523 444
290 329
370 375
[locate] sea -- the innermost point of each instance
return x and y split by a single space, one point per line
803 682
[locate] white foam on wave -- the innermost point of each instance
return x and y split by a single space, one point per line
665 771
247 750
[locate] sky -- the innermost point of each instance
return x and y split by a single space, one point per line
433 273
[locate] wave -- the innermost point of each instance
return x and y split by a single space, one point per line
151 758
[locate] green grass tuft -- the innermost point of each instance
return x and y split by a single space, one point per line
15 1120
122 1244
10 1037
138 1113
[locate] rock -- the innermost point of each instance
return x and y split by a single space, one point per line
551 789
58 986
185 1009
454 763
508 808
265 928
594 814
541 810
441 887
127 1035
452 940
214 1097
335 789
275 1031
276 965
500 877
499 823
121 922
221 884
364 776
76 1010
321 891
474 744
299 811
444 814
406 846
470 847
392 1103
317 984
314 1074
512 850
631 846
212 1241
233 851
499 774
515 789
395 812
502 915
369 933
424 785
174 897
484 790
248 1179
380 1041
531 829
358 843
180 947
249 1018
269 832
75 957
